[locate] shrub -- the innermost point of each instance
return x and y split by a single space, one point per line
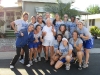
94 30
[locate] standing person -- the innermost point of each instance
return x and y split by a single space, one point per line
38 34
62 30
66 22
65 53
77 44
72 26
33 20
40 22
48 35
47 15
57 22
23 37
56 56
85 35
19 24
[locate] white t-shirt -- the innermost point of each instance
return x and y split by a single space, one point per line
21 24
64 50
49 34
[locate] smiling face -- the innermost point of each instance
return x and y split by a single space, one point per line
80 25
25 17
62 28
30 28
75 35
38 28
59 38
64 42
33 19
57 17
48 22
65 17
40 19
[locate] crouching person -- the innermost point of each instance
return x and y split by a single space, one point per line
77 44
23 37
65 51
56 56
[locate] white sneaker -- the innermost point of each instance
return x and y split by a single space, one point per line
67 66
28 65
22 61
35 60
85 65
30 62
39 58
11 66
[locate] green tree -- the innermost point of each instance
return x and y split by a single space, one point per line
93 9
61 9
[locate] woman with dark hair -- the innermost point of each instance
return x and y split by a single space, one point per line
57 22
33 20
65 53
40 22
77 44
55 56
38 34
23 38
62 30
66 22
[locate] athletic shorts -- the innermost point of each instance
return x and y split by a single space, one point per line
88 44
48 43
63 60
33 45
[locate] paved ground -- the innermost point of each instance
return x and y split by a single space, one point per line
42 68
97 43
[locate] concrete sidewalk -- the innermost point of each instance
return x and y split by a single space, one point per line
10 55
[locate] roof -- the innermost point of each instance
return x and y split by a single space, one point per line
94 16
83 12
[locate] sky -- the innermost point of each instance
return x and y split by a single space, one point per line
79 4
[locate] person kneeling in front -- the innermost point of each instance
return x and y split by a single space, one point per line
23 37
65 51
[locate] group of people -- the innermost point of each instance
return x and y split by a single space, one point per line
62 40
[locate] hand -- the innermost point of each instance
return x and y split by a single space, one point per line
74 45
44 33
81 35
61 57
16 31
22 34
52 29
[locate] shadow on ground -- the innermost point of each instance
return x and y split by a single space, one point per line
42 68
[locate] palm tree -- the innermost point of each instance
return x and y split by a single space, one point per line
61 9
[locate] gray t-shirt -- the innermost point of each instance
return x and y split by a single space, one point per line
67 23
79 41
84 31
64 50
42 25
66 34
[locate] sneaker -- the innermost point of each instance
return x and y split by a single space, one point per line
85 65
35 60
39 58
30 62
11 66
28 65
68 67
80 67
22 61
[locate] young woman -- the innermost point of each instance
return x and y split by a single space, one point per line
19 24
48 36
65 53
72 26
77 44
66 22
39 35
33 20
40 22
85 35
57 22
62 30
23 37
55 56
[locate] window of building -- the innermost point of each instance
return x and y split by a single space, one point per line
92 22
